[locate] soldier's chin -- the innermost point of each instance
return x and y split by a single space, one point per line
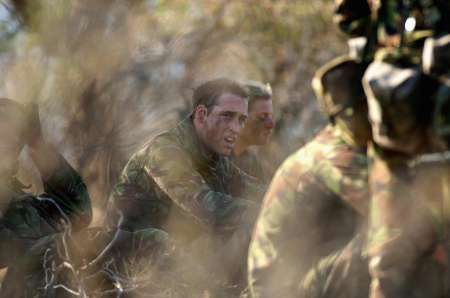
226 150
264 139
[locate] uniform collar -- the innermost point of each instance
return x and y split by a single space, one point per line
346 136
198 151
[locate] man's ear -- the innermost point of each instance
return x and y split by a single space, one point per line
200 113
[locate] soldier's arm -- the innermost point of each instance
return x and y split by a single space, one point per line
65 194
275 253
172 169
66 197
345 174
132 199
405 226
22 228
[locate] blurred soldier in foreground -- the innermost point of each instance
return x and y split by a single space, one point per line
257 130
183 182
29 224
408 98
318 199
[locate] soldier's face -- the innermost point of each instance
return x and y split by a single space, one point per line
224 123
259 125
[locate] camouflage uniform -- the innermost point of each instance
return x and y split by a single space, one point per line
200 199
305 243
30 224
174 180
248 160
407 221
314 205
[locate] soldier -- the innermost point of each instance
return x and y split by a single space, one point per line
257 130
183 182
29 223
318 199
407 221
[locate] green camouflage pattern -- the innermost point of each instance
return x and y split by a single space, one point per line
408 231
206 204
175 184
313 207
406 220
30 223
343 274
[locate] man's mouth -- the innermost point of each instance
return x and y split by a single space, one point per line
268 132
230 141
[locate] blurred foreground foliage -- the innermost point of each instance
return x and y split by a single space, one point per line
110 74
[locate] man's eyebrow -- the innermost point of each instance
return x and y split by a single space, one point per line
230 111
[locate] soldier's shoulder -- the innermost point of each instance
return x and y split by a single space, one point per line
317 148
330 143
165 139
308 158
301 161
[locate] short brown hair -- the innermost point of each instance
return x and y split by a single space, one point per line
257 91
208 92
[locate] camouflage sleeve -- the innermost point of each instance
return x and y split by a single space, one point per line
30 218
275 260
133 197
21 227
403 227
173 172
65 195
344 173
65 202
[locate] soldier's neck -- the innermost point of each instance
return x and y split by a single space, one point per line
240 147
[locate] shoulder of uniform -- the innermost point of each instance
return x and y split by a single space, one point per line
161 140
316 150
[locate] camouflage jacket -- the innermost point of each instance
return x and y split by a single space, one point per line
174 183
29 218
308 212
30 225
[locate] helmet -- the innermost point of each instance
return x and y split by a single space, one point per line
352 16
338 86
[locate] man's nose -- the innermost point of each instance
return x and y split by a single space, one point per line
235 126
269 123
